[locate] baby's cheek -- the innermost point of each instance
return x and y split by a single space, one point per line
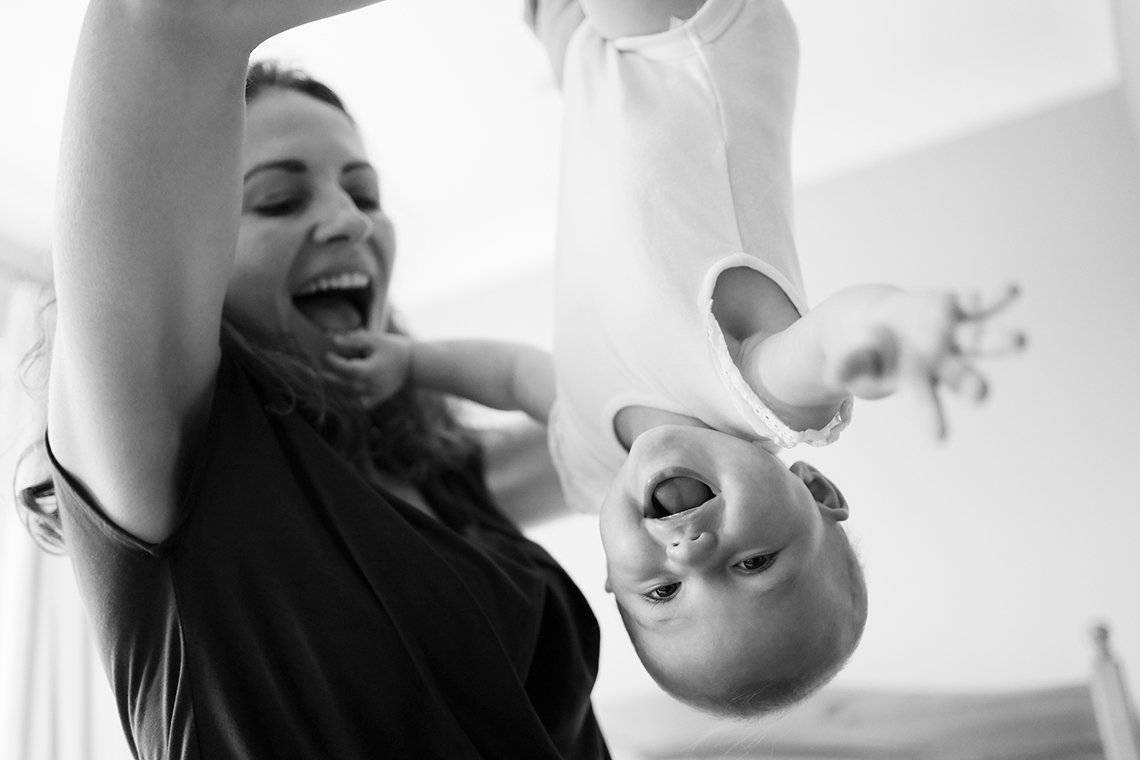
629 557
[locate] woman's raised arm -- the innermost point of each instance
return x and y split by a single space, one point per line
146 224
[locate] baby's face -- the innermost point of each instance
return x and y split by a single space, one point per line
761 552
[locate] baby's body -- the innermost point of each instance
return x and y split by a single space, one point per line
675 194
685 355
675 170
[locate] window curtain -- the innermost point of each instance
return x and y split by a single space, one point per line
55 702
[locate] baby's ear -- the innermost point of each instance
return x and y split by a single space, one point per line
825 493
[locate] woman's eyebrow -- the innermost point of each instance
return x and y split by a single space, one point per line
285 164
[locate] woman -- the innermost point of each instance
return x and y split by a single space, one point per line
268 570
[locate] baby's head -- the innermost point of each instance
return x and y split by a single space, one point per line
736 583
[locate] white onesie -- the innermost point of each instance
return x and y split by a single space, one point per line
675 167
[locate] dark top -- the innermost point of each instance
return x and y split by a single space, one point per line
297 611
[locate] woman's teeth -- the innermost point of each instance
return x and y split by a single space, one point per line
343 281
336 303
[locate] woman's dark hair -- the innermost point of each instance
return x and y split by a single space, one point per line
413 435
269 75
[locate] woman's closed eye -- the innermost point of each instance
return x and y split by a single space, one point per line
662 593
280 206
757 563
366 202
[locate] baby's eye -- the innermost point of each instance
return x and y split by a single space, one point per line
663 593
757 564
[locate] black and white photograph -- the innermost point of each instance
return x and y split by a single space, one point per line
570 380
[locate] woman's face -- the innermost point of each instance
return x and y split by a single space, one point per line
315 249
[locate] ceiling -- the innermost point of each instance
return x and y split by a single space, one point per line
457 104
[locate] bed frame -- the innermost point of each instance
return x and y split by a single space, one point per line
1092 721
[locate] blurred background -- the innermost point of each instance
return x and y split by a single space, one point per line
960 144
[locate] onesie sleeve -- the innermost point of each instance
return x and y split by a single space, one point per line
764 421
553 23
749 404
584 471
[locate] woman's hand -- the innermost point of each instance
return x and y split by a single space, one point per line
368 365
924 342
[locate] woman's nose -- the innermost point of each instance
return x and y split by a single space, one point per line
692 549
342 222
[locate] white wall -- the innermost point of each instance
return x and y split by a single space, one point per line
987 557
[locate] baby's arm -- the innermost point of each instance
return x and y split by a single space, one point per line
501 375
871 340
498 374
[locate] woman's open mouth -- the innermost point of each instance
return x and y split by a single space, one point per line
336 303
674 491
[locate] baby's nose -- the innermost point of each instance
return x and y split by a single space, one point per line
693 547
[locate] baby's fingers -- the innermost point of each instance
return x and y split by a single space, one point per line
353 375
962 378
992 343
872 369
974 308
975 337
355 344
348 365
931 404
357 389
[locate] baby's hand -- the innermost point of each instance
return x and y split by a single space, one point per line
926 341
371 366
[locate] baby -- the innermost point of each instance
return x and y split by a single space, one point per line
685 355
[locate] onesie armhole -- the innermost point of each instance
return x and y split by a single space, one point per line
760 416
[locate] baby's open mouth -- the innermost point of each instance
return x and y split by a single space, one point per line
671 494
336 303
